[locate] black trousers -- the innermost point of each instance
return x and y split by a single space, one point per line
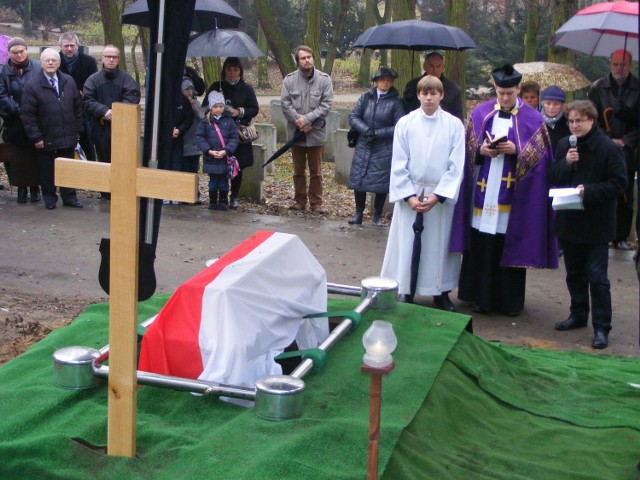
487 284
46 159
587 267
361 200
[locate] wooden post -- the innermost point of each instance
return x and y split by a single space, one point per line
127 181
375 404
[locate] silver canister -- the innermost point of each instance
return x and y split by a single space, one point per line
384 291
279 398
72 368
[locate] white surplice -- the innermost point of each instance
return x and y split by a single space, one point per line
428 154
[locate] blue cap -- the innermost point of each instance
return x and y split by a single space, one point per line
553 93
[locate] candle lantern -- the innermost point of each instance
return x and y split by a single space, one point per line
379 342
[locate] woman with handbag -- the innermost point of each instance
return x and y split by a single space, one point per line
374 118
242 104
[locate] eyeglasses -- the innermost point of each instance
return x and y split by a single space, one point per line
50 60
577 121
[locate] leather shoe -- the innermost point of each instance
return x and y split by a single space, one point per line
478 309
406 298
443 302
600 339
72 204
50 206
356 220
377 221
296 206
22 195
35 194
318 209
571 323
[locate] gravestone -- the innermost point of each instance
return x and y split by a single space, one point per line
268 138
278 119
344 117
252 185
333 122
344 157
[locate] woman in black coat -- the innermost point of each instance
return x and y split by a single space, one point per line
243 106
374 117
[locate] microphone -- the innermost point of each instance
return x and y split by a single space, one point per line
573 141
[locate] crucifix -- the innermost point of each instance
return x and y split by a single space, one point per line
127 181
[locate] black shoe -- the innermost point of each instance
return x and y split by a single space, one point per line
478 309
233 204
443 302
377 221
213 206
222 207
72 203
600 339
357 219
571 323
50 206
35 194
406 298
22 195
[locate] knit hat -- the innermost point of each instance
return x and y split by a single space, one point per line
215 97
506 76
553 93
186 83
16 41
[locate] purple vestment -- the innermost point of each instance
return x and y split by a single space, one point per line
529 239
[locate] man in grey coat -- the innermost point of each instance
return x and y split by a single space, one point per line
307 97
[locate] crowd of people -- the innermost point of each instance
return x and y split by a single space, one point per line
471 198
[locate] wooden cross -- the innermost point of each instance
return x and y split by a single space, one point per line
127 181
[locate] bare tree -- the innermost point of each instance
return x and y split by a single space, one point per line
312 35
562 11
263 62
110 11
402 59
533 27
276 41
371 17
336 36
27 29
456 11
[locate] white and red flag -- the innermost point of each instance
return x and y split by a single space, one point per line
229 322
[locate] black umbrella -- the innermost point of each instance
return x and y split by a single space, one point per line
223 43
208 15
169 19
418 228
415 35
298 136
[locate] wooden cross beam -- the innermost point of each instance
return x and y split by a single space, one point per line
127 181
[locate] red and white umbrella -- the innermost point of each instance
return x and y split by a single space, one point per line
600 29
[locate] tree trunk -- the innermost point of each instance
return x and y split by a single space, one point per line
336 36
312 36
364 73
533 26
112 27
211 69
386 18
455 70
27 29
401 60
562 11
277 44
263 62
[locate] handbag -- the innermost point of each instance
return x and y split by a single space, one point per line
247 133
352 137
233 167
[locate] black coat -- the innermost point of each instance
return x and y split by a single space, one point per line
100 91
601 169
371 165
451 103
560 130
84 66
11 86
55 119
240 95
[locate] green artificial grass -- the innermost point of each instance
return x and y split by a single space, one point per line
49 433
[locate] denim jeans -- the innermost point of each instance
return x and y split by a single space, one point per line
587 267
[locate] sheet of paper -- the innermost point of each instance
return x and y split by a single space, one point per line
566 199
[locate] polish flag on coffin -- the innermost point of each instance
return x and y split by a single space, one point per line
229 322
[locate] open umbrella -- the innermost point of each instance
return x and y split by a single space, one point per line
546 74
208 15
600 29
415 35
223 43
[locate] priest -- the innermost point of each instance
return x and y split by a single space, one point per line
511 216
427 168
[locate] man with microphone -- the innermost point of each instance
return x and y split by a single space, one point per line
592 163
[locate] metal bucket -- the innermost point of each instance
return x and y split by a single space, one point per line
385 291
72 368
279 398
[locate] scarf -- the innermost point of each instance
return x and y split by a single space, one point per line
19 68
551 121
70 62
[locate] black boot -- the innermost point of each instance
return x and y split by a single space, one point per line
223 201
35 194
357 219
378 206
22 195
213 199
443 302
234 202
377 220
